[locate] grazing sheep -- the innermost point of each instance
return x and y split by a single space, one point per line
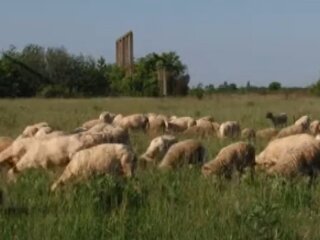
236 156
31 130
105 117
291 156
185 152
249 134
229 129
303 121
180 124
292 130
200 131
52 152
5 142
132 122
206 118
314 127
267 133
12 154
111 134
157 125
114 159
158 148
278 120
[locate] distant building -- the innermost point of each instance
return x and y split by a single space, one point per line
124 52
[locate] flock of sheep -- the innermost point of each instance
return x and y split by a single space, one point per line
102 146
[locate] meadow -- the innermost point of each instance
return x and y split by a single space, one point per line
158 205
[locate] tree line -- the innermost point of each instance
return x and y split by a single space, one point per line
54 72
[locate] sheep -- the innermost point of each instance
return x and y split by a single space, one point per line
249 134
180 124
229 129
292 130
278 120
314 127
31 130
48 132
201 131
5 142
114 159
206 118
291 156
104 117
52 152
236 156
185 152
267 133
303 121
131 122
158 148
157 124
12 154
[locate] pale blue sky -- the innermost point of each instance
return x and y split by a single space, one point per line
220 40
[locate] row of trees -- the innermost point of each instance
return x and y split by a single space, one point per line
53 72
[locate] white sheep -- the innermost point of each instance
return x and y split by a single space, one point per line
229 129
133 121
52 152
303 121
31 130
291 156
158 148
235 157
182 153
180 124
314 127
267 133
114 159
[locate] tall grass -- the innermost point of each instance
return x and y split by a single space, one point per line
158 205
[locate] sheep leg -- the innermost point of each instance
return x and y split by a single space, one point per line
65 176
128 163
312 177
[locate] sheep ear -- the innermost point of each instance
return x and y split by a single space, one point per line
34 131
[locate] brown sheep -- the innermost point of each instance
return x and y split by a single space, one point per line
114 159
280 119
291 156
185 152
236 156
158 148
267 133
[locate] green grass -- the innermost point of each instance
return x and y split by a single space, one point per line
158 205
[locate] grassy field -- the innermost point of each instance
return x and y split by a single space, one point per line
156 205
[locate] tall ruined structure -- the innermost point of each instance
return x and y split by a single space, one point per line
124 52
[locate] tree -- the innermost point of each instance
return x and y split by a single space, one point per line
274 86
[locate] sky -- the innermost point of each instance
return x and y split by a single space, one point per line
219 40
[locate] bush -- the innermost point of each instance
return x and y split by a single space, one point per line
53 91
